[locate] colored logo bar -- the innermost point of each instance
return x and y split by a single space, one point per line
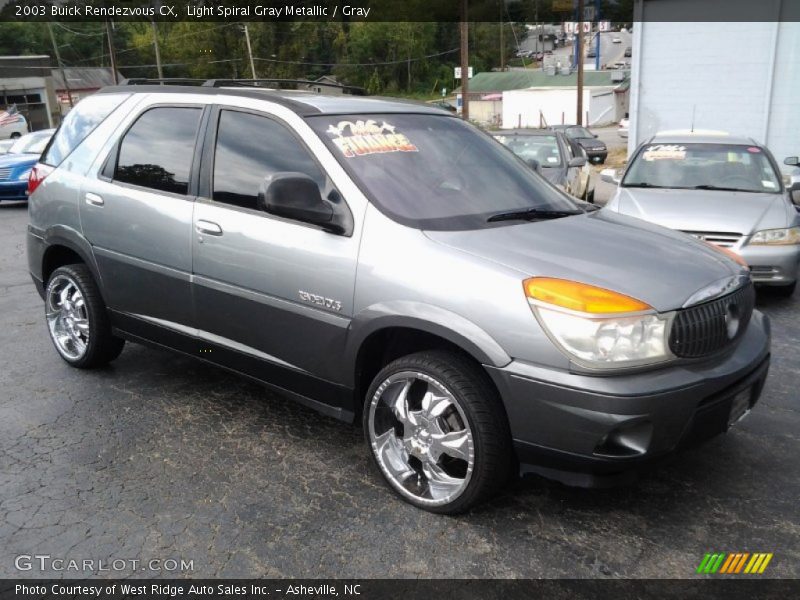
734 563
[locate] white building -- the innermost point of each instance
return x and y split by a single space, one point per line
743 78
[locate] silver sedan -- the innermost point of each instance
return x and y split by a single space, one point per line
724 190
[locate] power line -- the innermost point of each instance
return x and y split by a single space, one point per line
369 64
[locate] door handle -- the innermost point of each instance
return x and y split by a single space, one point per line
208 227
94 199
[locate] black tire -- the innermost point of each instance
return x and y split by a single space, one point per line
16 135
102 346
479 401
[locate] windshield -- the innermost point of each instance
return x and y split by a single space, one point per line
434 172
578 132
543 148
33 143
703 166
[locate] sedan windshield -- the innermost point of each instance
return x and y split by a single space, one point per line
543 148
578 133
33 143
726 167
435 172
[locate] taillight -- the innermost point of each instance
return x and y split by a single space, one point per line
38 174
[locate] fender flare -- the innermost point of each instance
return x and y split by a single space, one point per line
61 235
427 318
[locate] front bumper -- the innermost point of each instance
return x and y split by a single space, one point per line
772 265
14 190
597 156
588 430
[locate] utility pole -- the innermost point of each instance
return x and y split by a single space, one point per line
502 45
464 62
250 51
158 51
60 64
579 120
111 54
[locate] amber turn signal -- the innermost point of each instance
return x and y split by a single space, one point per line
581 297
729 253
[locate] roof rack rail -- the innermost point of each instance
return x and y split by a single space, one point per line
350 89
162 81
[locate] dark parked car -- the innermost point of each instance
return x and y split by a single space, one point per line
628 52
595 149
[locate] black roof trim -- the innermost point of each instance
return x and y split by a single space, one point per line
301 108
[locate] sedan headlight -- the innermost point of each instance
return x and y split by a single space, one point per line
599 328
24 175
776 237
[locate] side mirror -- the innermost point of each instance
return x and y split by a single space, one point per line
578 161
792 161
794 189
534 164
296 196
610 176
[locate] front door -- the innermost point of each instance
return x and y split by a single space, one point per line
273 296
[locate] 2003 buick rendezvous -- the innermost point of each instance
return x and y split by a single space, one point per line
385 260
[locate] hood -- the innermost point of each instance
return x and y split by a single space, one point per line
18 160
704 210
661 267
590 142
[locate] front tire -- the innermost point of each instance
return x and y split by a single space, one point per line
77 319
437 431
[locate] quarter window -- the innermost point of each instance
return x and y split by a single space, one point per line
251 147
157 151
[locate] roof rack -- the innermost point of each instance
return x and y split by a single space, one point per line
162 81
351 89
257 83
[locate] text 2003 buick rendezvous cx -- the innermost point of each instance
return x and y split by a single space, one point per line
386 260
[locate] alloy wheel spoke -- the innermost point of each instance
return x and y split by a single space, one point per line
434 406
454 444
82 325
440 484
400 406
394 455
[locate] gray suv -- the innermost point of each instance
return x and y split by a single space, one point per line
383 260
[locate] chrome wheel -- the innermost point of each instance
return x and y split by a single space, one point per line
421 438
67 317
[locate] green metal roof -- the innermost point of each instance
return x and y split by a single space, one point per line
517 80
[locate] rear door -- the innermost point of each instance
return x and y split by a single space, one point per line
137 214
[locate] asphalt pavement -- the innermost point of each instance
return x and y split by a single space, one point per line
160 457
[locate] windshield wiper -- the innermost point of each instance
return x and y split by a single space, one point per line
717 187
532 213
644 184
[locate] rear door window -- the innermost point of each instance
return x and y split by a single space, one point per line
156 152
79 123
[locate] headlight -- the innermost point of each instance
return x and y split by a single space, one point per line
599 328
776 237
24 175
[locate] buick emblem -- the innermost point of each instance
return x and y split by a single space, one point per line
732 319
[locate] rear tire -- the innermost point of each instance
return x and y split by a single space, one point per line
16 135
437 431
77 319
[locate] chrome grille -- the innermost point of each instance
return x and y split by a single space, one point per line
5 174
725 239
708 328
